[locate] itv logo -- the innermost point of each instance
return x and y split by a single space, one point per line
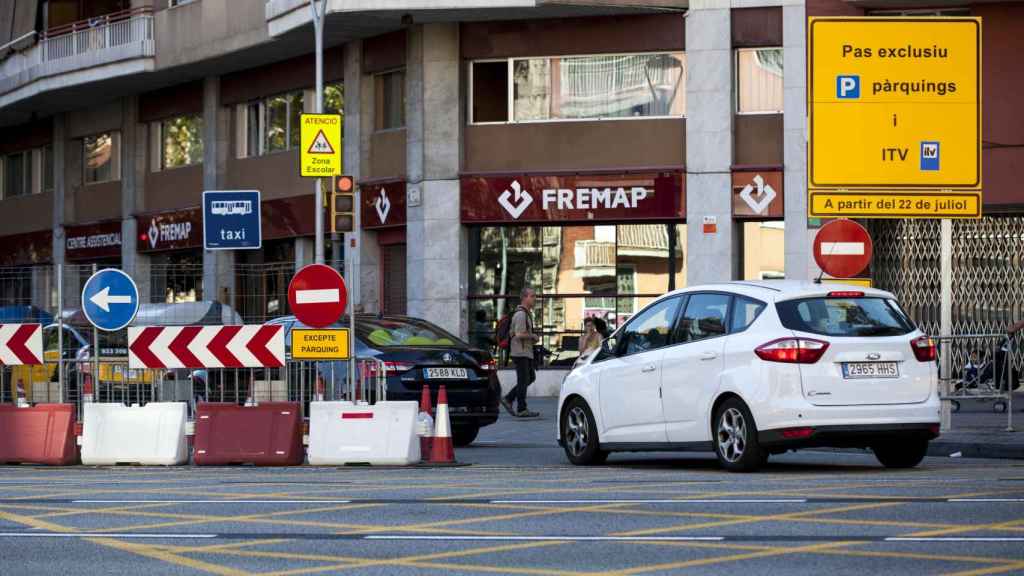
929 155
847 87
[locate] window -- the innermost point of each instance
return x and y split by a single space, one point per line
181 141
759 80
390 100
845 316
651 329
389 332
704 317
17 174
334 99
48 168
272 124
102 157
744 312
579 88
173 3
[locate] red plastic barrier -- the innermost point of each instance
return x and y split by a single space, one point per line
42 434
269 434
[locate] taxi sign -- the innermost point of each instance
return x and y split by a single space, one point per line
330 344
320 145
894 113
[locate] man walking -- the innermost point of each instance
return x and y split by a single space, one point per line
521 350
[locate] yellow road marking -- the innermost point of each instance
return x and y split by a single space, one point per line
164 556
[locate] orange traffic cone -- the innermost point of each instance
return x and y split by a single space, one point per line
426 419
441 449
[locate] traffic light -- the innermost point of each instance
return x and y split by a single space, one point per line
343 204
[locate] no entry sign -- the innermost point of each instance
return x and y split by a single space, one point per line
842 248
317 295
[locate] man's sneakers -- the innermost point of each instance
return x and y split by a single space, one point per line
527 414
508 406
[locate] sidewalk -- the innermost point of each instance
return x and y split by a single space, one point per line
978 432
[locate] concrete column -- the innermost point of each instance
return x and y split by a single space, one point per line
305 252
798 239
133 180
712 257
364 257
59 185
436 242
218 265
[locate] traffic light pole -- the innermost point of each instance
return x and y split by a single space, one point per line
318 33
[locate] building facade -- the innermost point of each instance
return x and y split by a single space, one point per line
600 152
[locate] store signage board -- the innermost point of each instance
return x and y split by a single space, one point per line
894 112
320 145
757 195
317 295
231 220
331 344
110 299
383 204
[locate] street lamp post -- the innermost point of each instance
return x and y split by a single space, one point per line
318 108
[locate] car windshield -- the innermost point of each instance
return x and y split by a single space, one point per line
404 332
862 316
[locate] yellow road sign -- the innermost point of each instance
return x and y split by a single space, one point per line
894 204
894 107
865 282
320 145
329 344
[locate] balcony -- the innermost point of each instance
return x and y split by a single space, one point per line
116 44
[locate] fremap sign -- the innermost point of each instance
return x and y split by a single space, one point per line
894 117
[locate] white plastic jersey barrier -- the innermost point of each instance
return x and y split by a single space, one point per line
347 433
152 434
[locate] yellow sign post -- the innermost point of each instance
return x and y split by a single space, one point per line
320 145
329 344
894 113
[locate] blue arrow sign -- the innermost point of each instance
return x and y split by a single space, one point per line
110 299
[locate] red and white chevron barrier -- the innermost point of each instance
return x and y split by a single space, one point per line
206 347
21 344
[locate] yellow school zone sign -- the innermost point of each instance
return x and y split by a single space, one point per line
331 344
320 145
894 117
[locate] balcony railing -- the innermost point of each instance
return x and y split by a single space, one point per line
120 37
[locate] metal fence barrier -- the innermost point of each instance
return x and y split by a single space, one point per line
976 368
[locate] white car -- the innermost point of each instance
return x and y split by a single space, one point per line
749 369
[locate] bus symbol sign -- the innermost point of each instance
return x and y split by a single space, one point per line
231 220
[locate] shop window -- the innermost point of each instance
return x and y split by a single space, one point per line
759 81
390 100
270 125
608 86
180 141
489 94
102 157
17 174
764 255
604 271
176 277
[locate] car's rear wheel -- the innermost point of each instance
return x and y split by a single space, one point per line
902 454
579 435
465 434
736 438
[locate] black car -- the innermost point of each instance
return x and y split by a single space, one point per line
417 353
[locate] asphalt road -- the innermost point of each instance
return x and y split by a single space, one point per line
519 509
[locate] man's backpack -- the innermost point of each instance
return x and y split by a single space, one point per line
502 332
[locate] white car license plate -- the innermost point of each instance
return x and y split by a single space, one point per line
852 370
445 373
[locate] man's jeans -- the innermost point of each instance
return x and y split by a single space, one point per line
525 375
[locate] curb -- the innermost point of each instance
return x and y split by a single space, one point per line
943 449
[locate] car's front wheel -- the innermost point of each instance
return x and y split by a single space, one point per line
736 438
579 435
903 454
465 434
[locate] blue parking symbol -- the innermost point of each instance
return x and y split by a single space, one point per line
929 155
847 87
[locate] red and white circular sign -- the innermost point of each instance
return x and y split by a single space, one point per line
317 295
842 248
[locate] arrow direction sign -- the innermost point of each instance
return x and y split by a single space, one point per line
21 344
110 299
256 346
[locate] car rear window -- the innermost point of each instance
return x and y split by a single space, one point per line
845 316
392 332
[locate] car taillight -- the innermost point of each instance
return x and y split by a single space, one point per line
373 368
792 350
489 365
924 349
797 433
845 294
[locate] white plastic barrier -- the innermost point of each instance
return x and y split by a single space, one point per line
151 434
347 433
